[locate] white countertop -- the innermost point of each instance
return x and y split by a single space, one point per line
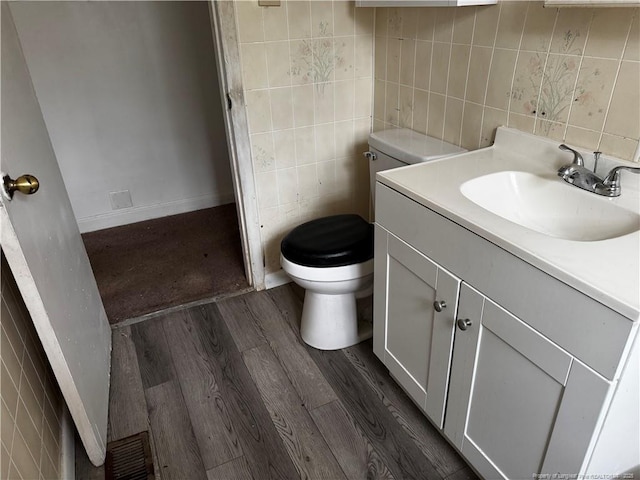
606 270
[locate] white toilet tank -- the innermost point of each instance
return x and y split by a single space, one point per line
400 147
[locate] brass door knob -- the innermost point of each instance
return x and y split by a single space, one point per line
26 184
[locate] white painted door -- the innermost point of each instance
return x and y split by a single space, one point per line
42 244
519 405
416 343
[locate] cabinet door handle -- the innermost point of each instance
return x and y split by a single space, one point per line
439 305
464 323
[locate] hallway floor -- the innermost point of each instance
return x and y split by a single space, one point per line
156 264
228 390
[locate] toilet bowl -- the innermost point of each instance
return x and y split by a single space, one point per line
332 257
329 317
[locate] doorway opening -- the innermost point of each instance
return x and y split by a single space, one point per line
130 94
149 266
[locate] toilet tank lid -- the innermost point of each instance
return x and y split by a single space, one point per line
411 147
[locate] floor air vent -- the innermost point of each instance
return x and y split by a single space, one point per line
129 459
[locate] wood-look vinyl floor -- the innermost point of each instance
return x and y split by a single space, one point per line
228 390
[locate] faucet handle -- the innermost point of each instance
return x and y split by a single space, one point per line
612 180
577 157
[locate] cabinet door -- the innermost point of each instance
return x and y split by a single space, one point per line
413 339
518 404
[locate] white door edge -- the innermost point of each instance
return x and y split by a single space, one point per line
95 447
227 49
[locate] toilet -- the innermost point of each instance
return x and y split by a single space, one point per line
332 257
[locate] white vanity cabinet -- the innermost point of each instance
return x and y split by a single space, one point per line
414 334
518 369
518 403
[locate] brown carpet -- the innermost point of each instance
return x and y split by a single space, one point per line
149 266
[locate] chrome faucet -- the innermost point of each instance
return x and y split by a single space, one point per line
577 157
612 180
578 175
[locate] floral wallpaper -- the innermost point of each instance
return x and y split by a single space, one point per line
315 60
548 89
307 70
458 73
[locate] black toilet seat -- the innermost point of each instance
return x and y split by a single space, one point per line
333 241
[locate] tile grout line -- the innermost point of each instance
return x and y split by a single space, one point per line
615 81
515 67
537 120
486 90
466 81
575 83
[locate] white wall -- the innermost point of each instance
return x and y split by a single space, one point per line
130 96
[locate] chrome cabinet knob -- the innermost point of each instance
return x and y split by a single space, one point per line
439 305
464 323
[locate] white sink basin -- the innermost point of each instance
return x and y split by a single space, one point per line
510 195
549 206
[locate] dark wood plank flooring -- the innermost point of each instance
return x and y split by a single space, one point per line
228 390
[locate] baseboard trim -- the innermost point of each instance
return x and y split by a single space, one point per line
126 216
68 447
276 279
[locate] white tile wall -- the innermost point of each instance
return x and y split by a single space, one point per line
308 77
570 74
30 400
316 71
